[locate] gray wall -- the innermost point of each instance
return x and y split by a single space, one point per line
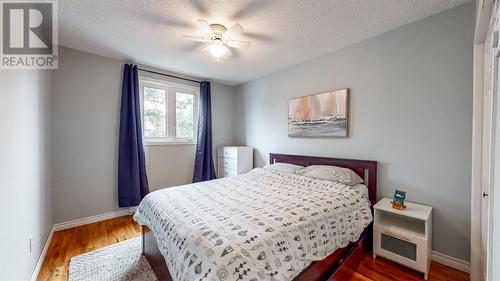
85 110
410 109
85 119
25 188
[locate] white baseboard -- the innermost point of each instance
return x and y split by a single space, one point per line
91 219
41 258
451 261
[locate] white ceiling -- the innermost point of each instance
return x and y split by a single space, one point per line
282 32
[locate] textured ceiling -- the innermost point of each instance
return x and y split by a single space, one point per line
282 32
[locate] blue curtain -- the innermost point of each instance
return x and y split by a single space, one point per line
204 162
132 178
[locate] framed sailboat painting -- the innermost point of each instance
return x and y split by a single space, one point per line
319 115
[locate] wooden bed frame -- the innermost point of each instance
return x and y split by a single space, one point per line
338 266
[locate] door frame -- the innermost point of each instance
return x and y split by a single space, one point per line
476 173
486 11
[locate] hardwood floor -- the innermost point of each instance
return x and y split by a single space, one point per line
380 269
75 241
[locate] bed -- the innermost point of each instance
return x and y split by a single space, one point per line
263 225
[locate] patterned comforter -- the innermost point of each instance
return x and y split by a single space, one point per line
263 225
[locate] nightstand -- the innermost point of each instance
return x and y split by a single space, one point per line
403 236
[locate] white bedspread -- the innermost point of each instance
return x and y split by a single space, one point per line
263 225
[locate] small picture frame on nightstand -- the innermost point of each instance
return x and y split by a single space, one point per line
398 202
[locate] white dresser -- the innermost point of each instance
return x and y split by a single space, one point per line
234 160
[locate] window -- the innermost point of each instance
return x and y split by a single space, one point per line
154 113
169 112
184 115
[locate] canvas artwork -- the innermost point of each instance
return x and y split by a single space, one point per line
319 115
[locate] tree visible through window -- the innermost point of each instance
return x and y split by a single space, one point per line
169 112
155 115
184 114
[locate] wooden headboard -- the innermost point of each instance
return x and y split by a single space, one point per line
364 168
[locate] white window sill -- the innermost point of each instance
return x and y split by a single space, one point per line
155 143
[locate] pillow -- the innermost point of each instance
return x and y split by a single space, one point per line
283 167
331 173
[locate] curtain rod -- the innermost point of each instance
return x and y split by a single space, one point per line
169 75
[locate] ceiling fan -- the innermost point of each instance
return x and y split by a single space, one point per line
220 39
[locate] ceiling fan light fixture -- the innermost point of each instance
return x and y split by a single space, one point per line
220 39
217 50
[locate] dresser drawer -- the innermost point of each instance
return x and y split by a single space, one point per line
228 152
228 163
225 173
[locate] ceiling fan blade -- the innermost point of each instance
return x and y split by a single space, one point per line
236 29
206 48
238 44
203 25
233 30
196 38
228 51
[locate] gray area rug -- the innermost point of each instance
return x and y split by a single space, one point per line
118 262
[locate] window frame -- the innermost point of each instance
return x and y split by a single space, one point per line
171 89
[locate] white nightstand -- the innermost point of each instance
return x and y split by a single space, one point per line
403 236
